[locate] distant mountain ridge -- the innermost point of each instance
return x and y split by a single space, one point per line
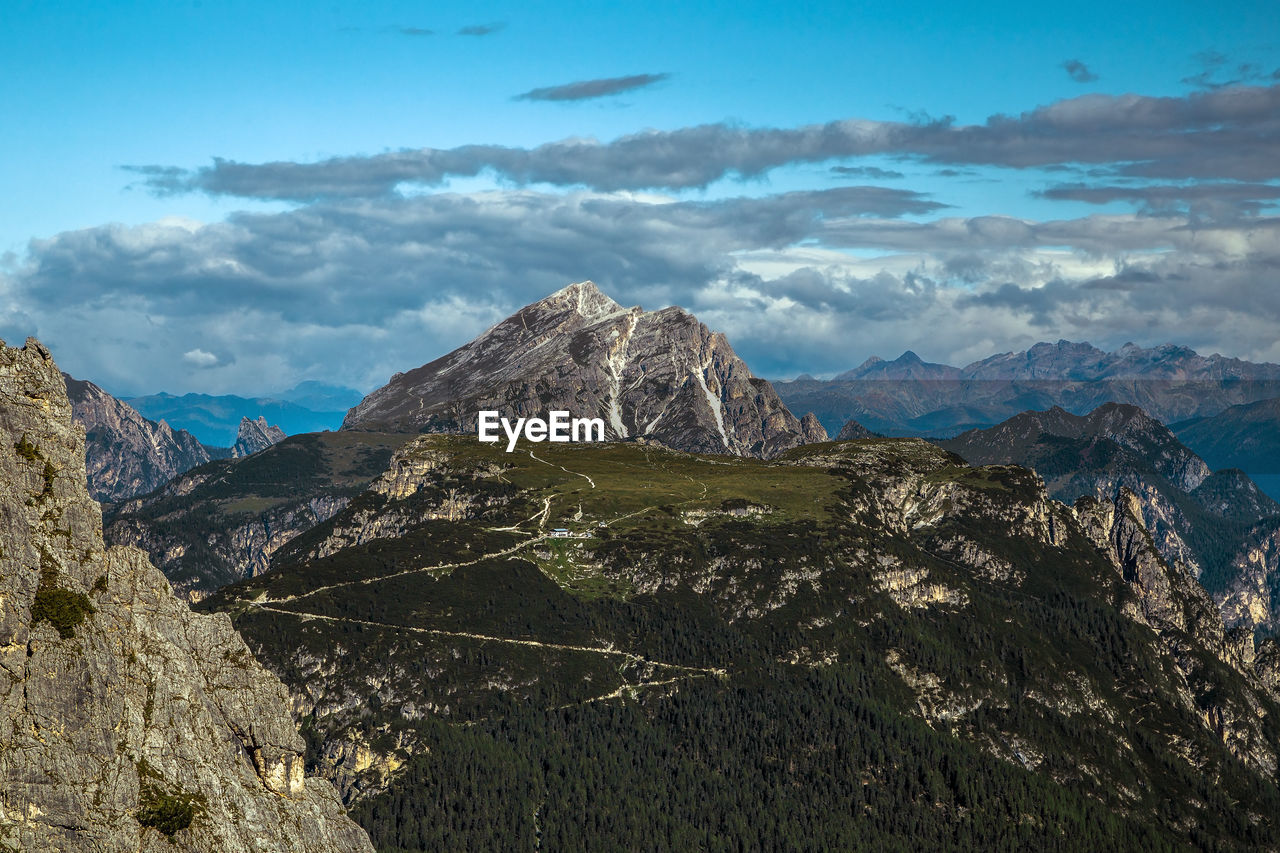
660 375
215 420
909 396
125 453
1245 436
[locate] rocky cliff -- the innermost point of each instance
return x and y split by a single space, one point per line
254 436
126 454
1216 526
660 375
130 723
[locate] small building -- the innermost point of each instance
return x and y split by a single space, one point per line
560 533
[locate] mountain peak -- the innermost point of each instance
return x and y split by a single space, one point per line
583 298
658 374
255 435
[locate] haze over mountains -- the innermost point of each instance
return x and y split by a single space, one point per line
215 420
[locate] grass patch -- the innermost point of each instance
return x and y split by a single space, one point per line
64 609
168 812
27 450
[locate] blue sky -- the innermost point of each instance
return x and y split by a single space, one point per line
231 299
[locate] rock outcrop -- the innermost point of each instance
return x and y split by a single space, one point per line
130 723
851 430
1219 527
254 436
660 375
812 429
125 454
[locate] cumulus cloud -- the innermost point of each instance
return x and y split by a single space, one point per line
1078 71
355 290
583 90
200 358
1228 133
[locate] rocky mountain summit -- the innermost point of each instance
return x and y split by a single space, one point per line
127 454
254 436
660 375
129 722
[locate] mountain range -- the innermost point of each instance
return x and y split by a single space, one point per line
716 630
908 396
215 420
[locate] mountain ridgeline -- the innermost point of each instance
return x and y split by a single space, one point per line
866 640
909 396
720 630
128 454
658 375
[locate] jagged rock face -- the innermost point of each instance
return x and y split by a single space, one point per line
126 454
1187 620
1218 527
660 375
812 429
131 723
1251 597
852 429
254 436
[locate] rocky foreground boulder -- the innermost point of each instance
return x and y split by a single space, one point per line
129 723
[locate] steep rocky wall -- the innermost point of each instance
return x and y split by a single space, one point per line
129 722
126 454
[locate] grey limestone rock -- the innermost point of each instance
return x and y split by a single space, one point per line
660 375
126 454
127 723
255 435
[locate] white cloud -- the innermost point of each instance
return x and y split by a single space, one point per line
200 358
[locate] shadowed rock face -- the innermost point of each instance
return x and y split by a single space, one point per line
1217 526
660 375
256 435
126 454
130 723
